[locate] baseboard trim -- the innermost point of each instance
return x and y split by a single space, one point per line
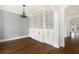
14 38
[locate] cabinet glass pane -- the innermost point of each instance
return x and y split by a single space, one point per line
49 20
38 21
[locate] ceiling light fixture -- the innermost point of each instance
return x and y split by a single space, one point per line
23 15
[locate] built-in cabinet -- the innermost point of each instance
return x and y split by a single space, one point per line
42 26
49 27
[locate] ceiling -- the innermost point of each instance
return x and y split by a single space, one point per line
72 10
29 8
18 8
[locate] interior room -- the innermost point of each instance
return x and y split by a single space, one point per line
39 29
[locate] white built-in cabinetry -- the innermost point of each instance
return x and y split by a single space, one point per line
42 26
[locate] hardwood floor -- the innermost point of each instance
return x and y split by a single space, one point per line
31 46
24 45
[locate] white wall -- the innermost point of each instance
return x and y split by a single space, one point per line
1 25
62 28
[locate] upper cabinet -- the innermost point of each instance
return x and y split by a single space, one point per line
38 20
49 19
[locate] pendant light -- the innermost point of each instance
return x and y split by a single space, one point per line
23 15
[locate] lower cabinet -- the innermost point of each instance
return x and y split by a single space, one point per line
41 35
48 36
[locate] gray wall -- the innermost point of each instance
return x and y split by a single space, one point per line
13 25
1 25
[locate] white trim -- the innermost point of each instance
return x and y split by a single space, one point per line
14 38
38 11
